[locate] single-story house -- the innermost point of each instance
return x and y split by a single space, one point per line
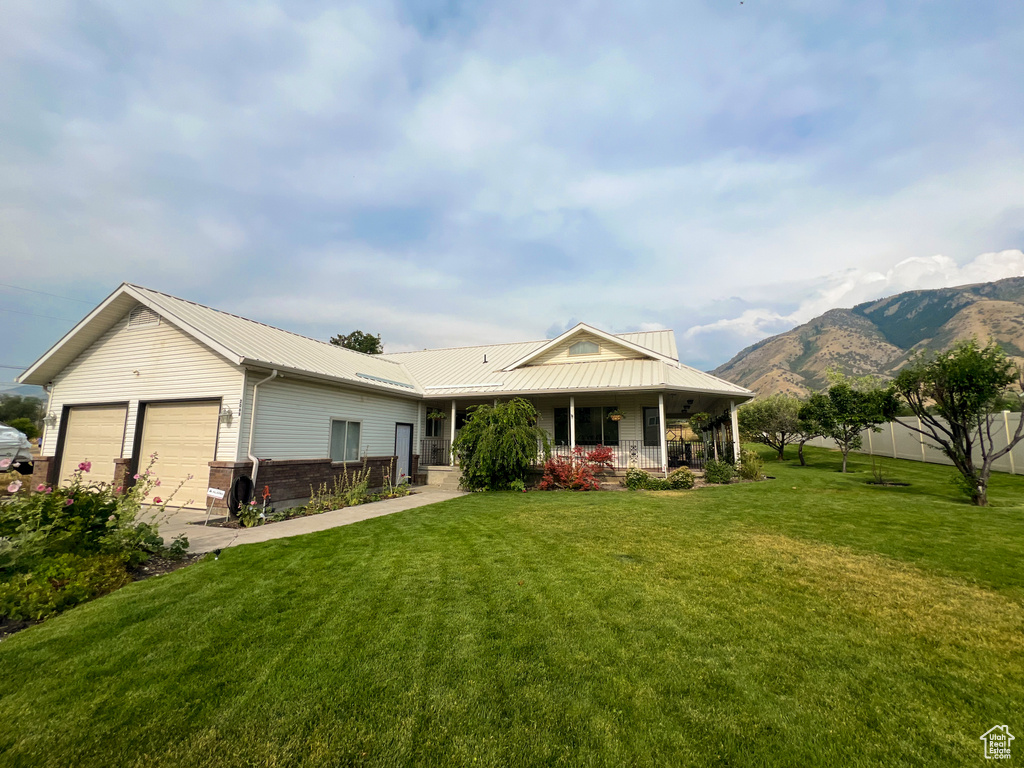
218 397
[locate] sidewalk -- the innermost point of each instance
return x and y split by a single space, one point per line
206 539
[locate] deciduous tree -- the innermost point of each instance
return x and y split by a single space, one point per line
845 410
773 421
360 342
956 395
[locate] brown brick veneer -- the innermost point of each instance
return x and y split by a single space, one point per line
289 480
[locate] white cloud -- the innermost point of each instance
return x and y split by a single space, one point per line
855 286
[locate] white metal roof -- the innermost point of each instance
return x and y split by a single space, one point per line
458 372
242 341
465 371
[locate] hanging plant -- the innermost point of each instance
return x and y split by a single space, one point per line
616 415
437 415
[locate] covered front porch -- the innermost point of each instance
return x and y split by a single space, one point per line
644 429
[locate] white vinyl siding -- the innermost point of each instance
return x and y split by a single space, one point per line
293 419
345 440
148 363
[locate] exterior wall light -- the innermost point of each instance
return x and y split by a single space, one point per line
226 415
50 420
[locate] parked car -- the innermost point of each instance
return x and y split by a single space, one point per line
15 446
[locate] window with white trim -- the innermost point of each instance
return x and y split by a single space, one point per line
584 348
345 440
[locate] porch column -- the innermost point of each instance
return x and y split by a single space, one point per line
572 423
417 431
735 432
664 437
451 455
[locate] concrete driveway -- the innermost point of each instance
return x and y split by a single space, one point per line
206 539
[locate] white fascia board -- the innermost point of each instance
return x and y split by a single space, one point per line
581 328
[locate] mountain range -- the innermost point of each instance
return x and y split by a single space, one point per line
877 337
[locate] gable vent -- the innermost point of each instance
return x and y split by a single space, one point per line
142 316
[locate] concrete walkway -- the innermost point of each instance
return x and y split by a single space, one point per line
206 539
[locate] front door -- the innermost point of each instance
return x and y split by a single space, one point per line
403 452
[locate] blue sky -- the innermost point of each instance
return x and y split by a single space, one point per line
450 173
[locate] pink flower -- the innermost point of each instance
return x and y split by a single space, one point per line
85 466
41 487
14 487
49 489
68 501
119 489
157 483
5 463
136 475
112 518
157 500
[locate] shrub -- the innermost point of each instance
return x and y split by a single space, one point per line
577 472
719 472
681 479
58 583
639 480
498 445
517 485
751 466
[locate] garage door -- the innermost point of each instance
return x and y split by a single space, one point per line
93 434
184 437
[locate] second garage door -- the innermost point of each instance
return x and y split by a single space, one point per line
184 437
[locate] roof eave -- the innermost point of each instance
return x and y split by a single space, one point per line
299 373
745 395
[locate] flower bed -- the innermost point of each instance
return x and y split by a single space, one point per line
60 546
346 491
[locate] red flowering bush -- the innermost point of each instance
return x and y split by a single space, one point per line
577 472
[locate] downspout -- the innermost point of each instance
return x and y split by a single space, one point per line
252 426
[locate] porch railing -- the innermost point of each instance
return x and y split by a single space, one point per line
626 453
435 452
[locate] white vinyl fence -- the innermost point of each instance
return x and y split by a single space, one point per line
900 442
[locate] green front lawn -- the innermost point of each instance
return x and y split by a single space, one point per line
811 619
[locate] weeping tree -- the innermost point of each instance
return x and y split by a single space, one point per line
498 444
956 396
773 421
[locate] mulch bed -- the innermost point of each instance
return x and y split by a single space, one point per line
8 627
158 566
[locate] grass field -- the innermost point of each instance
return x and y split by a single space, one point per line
807 620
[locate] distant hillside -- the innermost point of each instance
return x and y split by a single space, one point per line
876 337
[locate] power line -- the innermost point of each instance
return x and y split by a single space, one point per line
44 293
15 367
32 314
